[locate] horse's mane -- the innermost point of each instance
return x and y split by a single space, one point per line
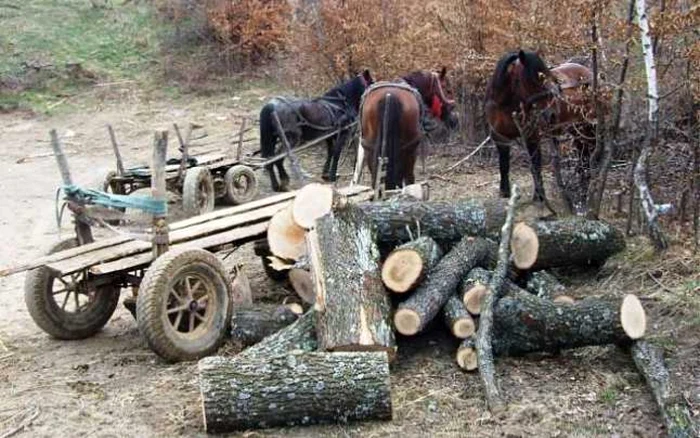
351 90
532 67
500 75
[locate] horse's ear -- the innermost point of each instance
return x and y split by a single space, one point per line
367 75
522 57
443 72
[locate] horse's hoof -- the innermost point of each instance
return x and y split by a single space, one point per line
505 194
325 177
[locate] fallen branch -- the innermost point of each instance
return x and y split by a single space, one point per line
484 336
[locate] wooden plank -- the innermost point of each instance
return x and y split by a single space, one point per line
211 243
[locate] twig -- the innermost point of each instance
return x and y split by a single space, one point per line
484 345
460 162
661 285
22 425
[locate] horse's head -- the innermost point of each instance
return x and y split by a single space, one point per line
523 75
355 88
432 87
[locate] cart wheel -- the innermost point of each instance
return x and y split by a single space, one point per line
184 304
241 184
67 307
198 191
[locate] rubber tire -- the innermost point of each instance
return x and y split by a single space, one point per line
195 178
232 175
38 285
154 290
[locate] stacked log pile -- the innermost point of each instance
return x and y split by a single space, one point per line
374 269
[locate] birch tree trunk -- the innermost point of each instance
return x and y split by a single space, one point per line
655 232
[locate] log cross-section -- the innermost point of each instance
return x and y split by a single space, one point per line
353 307
409 263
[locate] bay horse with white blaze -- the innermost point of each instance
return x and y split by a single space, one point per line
393 114
308 119
526 100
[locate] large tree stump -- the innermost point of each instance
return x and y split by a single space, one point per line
299 336
420 308
674 409
458 319
407 265
546 244
251 325
545 285
294 389
524 323
445 221
353 308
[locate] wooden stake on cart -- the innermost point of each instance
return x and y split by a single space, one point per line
82 229
239 148
161 239
115 147
184 146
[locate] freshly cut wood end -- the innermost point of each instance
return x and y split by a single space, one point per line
473 298
313 201
633 317
295 308
467 358
564 299
524 245
401 270
285 237
407 321
463 328
303 284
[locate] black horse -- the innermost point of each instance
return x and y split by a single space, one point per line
304 120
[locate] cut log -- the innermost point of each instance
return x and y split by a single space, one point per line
466 354
474 288
420 308
284 237
250 325
674 408
294 389
458 319
445 221
545 285
299 336
303 284
353 307
524 323
314 201
407 265
567 242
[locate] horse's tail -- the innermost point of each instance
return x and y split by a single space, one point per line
390 112
268 131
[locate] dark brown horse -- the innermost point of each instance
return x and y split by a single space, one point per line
526 101
393 115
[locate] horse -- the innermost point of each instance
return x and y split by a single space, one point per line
393 114
308 119
525 99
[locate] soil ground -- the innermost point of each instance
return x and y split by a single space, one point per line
112 385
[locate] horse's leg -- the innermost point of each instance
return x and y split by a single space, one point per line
326 175
556 164
504 167
274 184
335 151
284 177
533 148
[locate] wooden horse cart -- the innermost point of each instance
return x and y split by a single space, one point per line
182 291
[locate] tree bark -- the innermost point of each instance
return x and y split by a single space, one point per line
674 409
640 180
421 307
407 265
545 285
252 324
353 307
458 319
484 337
294 389
525 323
574 241
299 336
446 222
